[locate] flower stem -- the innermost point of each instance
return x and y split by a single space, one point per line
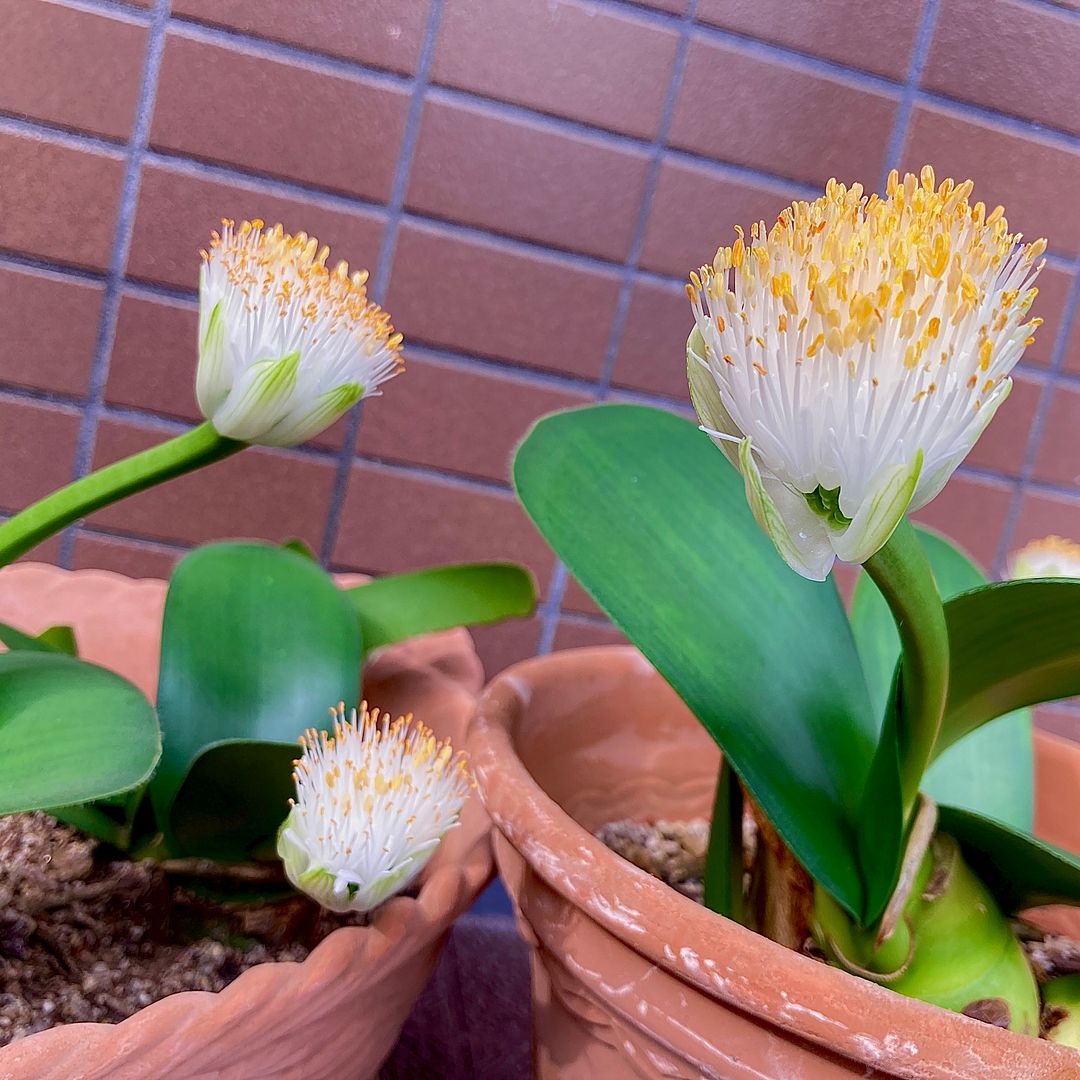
902 572
187 452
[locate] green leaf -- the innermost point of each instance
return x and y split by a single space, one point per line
70 732
1012 644
257 643
300 548
61 638
210 794
1019 869
405 605
47 642
653 521
992 770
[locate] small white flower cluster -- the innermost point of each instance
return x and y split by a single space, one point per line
847 359
286 345
1053 556
373 801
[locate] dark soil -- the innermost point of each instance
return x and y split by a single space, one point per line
85 935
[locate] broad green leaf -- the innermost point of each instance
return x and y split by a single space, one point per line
300 548
210 794
404 605
49 641
1012 644
1019 869
61 638
257 643
70 732
991 771
652 520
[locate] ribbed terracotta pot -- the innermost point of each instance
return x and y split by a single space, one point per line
632 979
337 1014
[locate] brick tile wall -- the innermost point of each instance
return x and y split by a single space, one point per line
528 181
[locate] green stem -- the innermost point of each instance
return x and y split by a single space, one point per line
195 448
724 861
902 572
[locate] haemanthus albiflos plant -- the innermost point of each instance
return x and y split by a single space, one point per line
845 360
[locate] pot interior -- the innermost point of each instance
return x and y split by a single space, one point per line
613 740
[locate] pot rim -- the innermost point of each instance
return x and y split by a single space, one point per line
706 950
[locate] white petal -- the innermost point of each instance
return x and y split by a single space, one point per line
707 401
930 486
259 400
880 513
212 376
801 537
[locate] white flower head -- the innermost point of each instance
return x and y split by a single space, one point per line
847 359
373 801
285 344
1053 556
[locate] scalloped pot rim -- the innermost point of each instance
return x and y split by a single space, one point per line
629 974
278 1019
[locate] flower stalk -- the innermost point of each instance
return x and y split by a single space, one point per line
183 454
902 572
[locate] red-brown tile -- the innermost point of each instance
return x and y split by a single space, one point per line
578 634
1072 348
1018 58
652 349
154 356
839 30
521 177
768 115
694 211
438 414
971 511
266 494
176 212
1032 177
383 33
1044 513
1002 445
39 450
393 522
287 119
51 66
577 600
475 296
506 643
572 59
1054 285
134 558
59 203
48 330
154 359
1058 460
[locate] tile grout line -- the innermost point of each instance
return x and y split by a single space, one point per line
383 266
910 94
1038 423
110 302
549 610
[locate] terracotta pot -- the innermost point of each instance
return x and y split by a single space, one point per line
630 978
337 1014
